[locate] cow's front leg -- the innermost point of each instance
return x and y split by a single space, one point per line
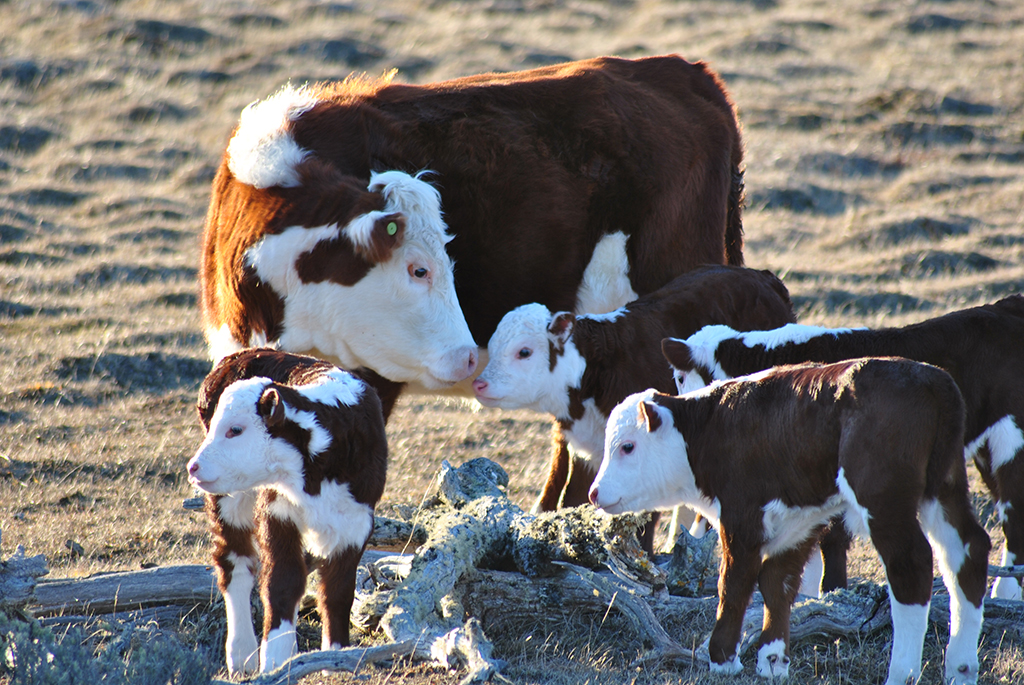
282 584
236 563
779 581
741 563
335 596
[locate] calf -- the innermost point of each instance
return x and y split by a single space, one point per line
294 461
579 368
770 458
980 347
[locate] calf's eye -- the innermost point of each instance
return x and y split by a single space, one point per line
627 447
418 271
235 431
524 353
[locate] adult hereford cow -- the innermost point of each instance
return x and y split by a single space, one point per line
580 186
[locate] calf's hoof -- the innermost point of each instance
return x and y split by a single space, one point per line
962 674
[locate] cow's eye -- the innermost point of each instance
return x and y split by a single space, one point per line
524 353
418 271
627 447
235 431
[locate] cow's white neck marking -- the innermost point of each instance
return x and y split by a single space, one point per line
262 153
605 286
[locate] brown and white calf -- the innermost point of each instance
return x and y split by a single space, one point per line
579 185
294 461
980 347
771 458
579 368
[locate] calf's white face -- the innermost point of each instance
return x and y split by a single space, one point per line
519 373
645 465
238 453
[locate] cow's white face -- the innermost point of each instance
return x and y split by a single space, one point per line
238 453
645 464
402 317
520 371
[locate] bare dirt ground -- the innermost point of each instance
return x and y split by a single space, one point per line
884 144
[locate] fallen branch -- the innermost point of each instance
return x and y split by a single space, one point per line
349 659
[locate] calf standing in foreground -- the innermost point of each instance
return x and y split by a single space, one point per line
294 461
579 368
770 458
982 348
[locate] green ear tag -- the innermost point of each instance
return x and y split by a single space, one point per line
392 228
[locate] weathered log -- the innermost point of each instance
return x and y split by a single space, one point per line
109 592
18 578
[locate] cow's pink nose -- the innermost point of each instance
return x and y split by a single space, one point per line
593 496
473 357
479 386
193 466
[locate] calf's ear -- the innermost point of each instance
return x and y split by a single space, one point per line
677 353
271 407
561 326
649 417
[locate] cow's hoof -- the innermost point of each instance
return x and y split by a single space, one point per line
772 661
731 666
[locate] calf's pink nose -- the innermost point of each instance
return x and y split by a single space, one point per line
593 496
479 386
193 466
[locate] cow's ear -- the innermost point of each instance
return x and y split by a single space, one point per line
677 352
271 407
649 417
561 326
386 234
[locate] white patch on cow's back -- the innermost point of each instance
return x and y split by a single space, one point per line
262 153
330 522
334 388
789 334
605 286
1005 440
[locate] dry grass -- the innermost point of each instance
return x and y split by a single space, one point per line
884 148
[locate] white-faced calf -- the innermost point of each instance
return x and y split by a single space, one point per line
294 461
579 368
980 347
770 458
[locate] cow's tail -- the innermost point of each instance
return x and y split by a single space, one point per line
734 220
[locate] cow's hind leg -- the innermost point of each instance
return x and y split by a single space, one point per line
961 548
336 594
907 558
236 562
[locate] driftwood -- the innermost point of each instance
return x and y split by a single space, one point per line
479 557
